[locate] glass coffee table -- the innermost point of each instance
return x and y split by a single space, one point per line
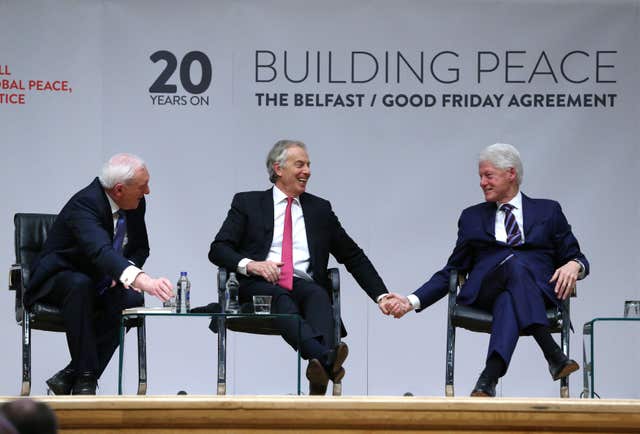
588 350
143 313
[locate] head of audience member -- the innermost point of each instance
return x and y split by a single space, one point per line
126 180
500 170
6 427
289 167
29 417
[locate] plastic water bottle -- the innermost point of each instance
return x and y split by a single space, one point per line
183 293
231 295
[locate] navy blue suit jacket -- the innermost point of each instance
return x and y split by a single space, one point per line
247 232
81 240
549 244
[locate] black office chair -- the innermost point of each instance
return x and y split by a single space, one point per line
265 326
478 320
30 234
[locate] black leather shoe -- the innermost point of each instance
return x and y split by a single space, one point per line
485 387
62 382
318 378
85 384
335 359
561 366
337 377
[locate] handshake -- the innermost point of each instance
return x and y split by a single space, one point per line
395 304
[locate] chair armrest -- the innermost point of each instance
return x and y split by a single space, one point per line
334 279
453 282
222 283
15 277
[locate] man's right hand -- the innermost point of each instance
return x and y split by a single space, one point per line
160 287
396 305
268 270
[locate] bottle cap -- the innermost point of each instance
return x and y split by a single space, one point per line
183 273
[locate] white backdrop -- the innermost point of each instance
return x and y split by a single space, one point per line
397 177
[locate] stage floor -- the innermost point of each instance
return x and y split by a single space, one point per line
355 414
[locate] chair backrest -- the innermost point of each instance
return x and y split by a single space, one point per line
30 235
31 231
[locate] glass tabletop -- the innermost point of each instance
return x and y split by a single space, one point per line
134 312
143 312
589 349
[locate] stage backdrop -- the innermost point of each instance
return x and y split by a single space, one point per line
394 99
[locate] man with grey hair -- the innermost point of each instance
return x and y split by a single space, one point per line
279 241
520 256
91 261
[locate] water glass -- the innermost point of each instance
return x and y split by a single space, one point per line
632 309
262 304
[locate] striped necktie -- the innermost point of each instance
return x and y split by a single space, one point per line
514 236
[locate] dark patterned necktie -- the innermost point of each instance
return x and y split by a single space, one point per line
514 236
121 229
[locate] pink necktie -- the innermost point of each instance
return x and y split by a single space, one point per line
286 271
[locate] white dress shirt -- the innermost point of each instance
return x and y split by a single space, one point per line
301 257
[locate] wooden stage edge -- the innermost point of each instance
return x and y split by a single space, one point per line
356 414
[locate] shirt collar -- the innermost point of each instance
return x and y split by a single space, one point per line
279 196
516 201
114 208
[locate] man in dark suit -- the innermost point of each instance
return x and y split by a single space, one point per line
279 242
91 261
520 256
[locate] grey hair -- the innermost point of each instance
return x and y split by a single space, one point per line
503 156
120 169
278 154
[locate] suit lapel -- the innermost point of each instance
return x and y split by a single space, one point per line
266 210
107 216
489 219
309 214
528 215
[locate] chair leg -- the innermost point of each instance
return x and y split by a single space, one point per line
26 354
142 356
337 329
450 362
222 356
564 343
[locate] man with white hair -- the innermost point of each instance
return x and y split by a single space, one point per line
92 260
520 256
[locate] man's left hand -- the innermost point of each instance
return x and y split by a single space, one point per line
395 304
565 278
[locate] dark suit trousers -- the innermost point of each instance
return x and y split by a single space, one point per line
516 302
308 299
92 321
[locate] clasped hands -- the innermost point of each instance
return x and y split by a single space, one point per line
395 305
268 270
